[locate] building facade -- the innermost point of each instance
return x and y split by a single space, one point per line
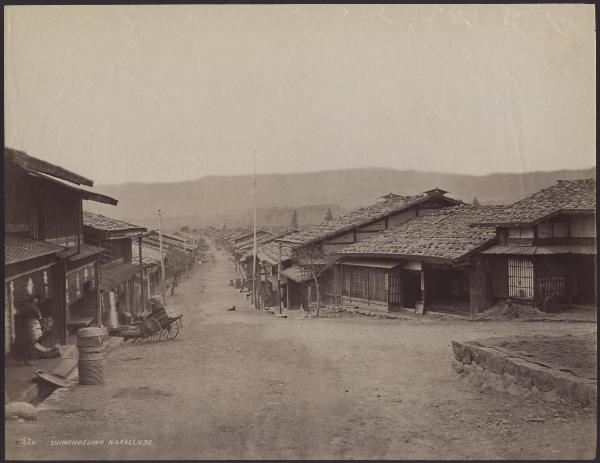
45 253
325 240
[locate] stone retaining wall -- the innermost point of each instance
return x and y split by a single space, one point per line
488 367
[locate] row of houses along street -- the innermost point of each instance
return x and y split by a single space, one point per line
239 383
81 269
431 253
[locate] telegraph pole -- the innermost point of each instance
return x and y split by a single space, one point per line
162 259
254 240
142 273
279 279
186 255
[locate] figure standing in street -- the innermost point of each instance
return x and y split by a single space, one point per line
174 283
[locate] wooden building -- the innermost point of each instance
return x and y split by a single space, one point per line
45 253
151 269
120 287
243 252
432 260
546 247
177 258
329 237
224 238
273 260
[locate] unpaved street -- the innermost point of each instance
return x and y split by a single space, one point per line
246 384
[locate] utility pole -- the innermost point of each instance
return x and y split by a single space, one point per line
279 279
186 255
162 259
254 240
141 273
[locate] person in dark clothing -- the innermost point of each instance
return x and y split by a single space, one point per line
174 284
27 331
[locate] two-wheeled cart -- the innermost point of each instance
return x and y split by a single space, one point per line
161 323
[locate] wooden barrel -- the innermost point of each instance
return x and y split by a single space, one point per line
90 337
91 356
91 367
84 350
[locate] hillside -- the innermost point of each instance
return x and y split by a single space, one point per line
214 200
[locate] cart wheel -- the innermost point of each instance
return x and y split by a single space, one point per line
172 330
152 329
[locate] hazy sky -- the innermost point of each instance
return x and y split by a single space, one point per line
167 93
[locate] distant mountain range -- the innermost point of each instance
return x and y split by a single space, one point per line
215 200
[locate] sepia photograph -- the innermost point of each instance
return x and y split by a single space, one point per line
300 232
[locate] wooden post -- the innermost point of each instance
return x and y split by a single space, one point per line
287 295
79 224
186 255
423 287
162 259
341 273
254 238
63 297
387 287
477 286
350 287
98 295
368 295
141 274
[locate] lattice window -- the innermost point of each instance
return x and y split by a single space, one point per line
359 280
377 284
346 281
520 277
552 285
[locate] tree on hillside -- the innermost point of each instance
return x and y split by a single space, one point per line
476 201
295 219
185 229
329 215
314 264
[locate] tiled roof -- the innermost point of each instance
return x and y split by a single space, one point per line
192 240
168 242
445 234
85 250
221 234
101 222
264 239
243 239
173 255
391 204
588 249
565 195
150 255
270 253
180 242
19 249
113 274
232 236
297 274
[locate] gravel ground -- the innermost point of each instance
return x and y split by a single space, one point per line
248 385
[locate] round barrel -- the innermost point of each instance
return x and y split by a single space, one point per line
83 350
91 368
91 336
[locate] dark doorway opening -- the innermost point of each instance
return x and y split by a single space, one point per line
412 289
585 284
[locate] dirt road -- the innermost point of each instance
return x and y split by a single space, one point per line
247 385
